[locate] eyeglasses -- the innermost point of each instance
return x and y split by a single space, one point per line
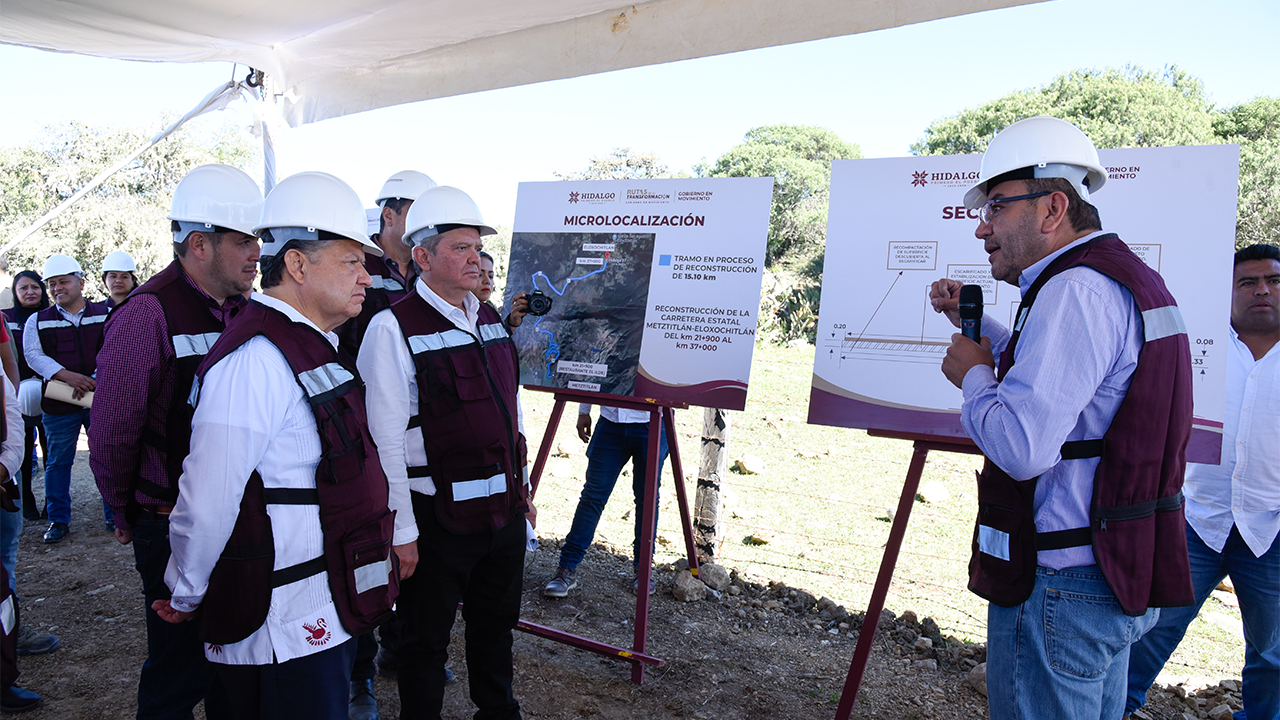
989 209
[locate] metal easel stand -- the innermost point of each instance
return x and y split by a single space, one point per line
871 621
658 413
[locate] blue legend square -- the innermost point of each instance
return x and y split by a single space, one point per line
664 259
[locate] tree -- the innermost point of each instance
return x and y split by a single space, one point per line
1255 125
798 157
1115 108
620 164
127 212
1130 107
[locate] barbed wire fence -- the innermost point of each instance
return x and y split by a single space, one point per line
838 554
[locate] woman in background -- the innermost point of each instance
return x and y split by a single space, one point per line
29 296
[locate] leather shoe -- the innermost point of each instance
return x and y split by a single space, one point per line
57 532
363 705
15 700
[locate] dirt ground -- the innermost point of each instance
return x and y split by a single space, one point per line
748 655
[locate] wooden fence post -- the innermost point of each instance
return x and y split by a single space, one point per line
713 470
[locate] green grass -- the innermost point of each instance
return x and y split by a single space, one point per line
827 515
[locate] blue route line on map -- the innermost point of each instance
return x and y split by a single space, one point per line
553 349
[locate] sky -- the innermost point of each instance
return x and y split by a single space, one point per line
879 90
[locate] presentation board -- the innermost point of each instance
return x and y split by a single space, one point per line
898 224
652 286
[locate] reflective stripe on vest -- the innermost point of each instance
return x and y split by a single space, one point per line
188 345
324 379
484 487
1162 322
492 331
385 283
440 341
993 542
51 324
8 618
373 575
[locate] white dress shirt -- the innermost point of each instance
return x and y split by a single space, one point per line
1244 489
391 396
1072 367
252 415
617 415
44 365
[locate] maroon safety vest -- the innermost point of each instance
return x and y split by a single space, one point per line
387 288
467 413
1137 527
74 347
351 490
17 325
193 329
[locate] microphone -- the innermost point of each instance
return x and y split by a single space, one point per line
971 312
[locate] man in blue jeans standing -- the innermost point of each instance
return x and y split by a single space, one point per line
61 343
621 435
1233 508
1084 424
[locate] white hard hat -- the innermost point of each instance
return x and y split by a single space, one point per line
1044 147
118 261
304 205
407 184
439 208
217 195
30 393
61 265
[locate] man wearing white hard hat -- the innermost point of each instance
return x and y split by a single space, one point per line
392 272
141 431
281 536
61 343
443 375
1084 423
120 275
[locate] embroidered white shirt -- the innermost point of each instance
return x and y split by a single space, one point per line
253 415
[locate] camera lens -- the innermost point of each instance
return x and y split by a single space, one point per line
539 303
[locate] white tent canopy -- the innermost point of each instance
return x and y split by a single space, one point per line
335 57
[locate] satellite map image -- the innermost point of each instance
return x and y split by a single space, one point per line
597 288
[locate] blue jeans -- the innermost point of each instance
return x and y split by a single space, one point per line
1257 583
612 444
10 529
1064 653
63 431
176 676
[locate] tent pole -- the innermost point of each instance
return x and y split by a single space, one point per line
215 100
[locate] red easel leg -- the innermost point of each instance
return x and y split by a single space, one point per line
545 449
871 620
682 499
645 569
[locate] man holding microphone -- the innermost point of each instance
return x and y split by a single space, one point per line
1084 424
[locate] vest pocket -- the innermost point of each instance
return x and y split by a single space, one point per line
468 370
370 573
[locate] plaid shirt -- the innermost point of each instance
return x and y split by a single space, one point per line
136 379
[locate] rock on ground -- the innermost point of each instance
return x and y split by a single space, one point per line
978 678
714 576
687 588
